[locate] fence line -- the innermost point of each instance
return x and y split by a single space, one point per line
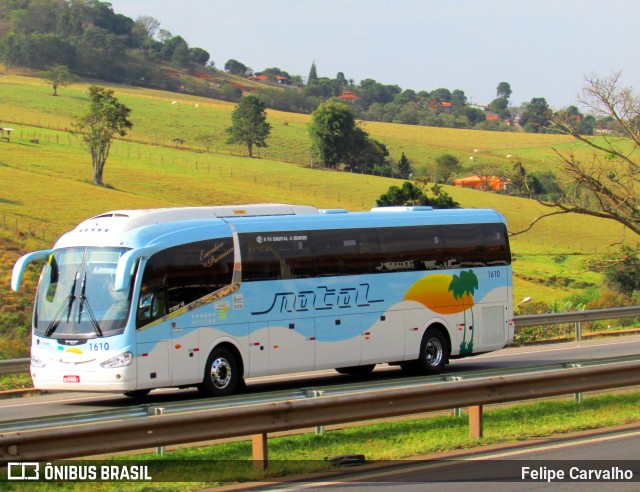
121 147
300 157
30 228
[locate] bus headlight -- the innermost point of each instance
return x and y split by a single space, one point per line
37 362
119 360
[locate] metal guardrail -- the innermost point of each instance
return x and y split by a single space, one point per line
576 316
369 384
13 366
260 419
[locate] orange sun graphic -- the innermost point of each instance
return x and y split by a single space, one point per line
433 292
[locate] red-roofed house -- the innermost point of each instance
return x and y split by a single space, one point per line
349 96
482 183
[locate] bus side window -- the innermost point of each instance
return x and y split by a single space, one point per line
178 276
152 306
497 250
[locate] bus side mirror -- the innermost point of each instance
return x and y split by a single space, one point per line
125 267
21 266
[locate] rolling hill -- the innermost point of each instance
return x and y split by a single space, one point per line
46 188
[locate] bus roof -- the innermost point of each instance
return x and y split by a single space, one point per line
140 228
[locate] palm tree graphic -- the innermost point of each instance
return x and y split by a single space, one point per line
466 283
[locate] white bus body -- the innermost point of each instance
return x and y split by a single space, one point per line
134 300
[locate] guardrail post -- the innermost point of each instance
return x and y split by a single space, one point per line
259 446
475 422
314 393
578 331
160 450
457 412
577 397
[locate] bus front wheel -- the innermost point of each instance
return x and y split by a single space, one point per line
221 373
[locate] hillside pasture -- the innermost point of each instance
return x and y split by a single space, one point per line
47 184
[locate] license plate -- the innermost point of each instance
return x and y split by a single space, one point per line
71 379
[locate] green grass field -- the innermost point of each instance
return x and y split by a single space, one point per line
46 186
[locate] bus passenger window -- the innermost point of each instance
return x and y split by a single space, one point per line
178 276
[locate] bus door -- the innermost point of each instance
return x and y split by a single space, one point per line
153 338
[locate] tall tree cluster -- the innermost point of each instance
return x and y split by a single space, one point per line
89 38
337 141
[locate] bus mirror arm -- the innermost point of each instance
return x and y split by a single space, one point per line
21 266
125 267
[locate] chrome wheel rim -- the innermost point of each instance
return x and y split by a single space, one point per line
434 352
221 373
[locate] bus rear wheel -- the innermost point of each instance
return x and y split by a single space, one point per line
434 352
221 373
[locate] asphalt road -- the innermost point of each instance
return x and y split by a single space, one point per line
510 358
567 463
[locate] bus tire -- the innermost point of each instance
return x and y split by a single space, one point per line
137 393
356 370
434 352
221 373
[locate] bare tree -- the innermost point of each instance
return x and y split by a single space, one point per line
149 24
605 183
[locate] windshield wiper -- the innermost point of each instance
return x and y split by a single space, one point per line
66 305
84 301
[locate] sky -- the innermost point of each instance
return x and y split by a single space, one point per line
542 48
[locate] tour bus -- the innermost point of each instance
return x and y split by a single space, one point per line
133 300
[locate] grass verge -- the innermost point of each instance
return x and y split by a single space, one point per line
381 441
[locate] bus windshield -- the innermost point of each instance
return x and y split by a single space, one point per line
76 295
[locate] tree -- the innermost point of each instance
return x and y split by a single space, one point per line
446 165
404 167
406 195
458 99
234 67
333 132
624 273
105 117
199 56
313 75
604 183
410 194
503 90
180 57
584 125
57 76
366 154
441 95
500 106
536 115
149 24
249 124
